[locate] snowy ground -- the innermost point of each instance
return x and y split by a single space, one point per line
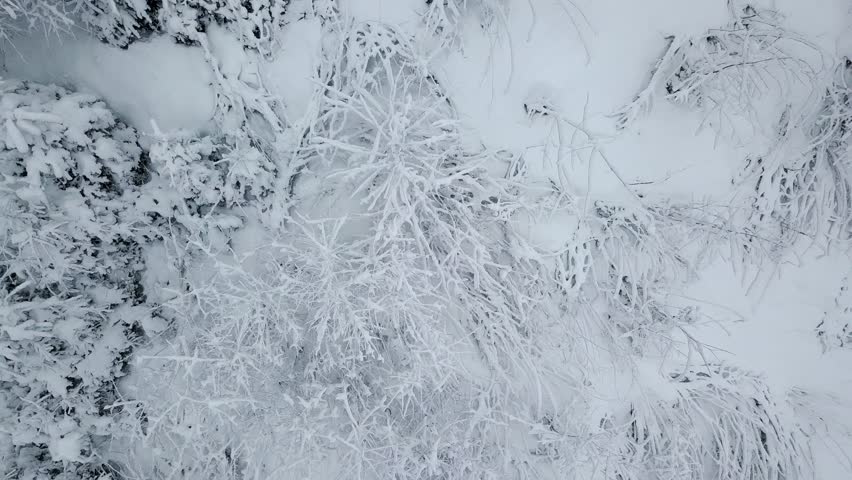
586 59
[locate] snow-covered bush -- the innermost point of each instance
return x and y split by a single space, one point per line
636 255
719 423
69 266
255 22
43 16
835 328
350 295
196 183
716 423
727 72
120 22
445 18
286 345
387 135
731 67
798 186
371 340
802 187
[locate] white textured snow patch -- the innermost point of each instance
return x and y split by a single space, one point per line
66 447
288 75
156 79
402 13
585 64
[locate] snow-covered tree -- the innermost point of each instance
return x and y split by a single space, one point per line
70 268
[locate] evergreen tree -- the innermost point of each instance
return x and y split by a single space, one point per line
69 273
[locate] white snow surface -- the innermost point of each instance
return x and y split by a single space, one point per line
154 80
